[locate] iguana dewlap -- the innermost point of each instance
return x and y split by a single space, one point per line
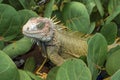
57 44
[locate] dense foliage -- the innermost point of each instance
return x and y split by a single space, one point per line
101 18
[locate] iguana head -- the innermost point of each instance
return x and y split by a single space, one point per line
39 28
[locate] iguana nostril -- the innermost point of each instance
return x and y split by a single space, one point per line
27 28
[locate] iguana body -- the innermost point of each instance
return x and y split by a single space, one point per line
56 44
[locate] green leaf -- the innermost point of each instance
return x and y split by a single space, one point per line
112 5
16 4
76 18
33 76
111 51
20 4
52 74
113 14
90 4
92 27
9 21
112 63
10 37
84 58
27 4
25 15
116 20
8 70
30 64
18 48
73 69
97 49
24 75
99 7
116 76
49 9
1 45
109 31
1 1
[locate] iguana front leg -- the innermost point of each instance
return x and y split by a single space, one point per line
50 51
54 56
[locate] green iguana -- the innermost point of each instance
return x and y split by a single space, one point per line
58 45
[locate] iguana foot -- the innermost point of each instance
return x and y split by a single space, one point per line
39 69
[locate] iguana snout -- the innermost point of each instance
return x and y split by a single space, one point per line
39 28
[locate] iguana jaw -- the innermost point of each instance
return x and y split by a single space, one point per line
31 29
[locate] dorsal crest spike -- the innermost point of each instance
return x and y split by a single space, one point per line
57 22
54 20
53 17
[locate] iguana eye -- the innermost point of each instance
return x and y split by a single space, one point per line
41 25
